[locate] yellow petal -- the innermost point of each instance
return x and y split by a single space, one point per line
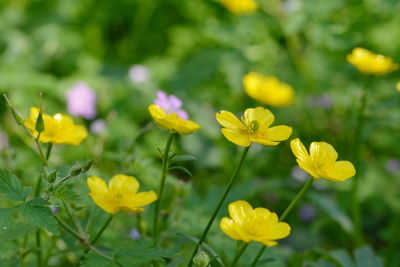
228 120
263 116
239 211
141 199
185 127
97 185
299 150
278 231
322 153
265 215
124 184
278 133
236 137
100 194
261 140
159 117
230 228
339 171
309 168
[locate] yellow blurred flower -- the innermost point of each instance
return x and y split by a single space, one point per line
240 6
370 63
253 127
248 224
58 129
268 90
172 121
321 162
398 86
120 194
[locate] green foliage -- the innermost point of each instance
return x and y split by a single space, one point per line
131 253
11 186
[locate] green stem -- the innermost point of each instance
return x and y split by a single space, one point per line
293 203
73 219
260 252
356 214
164 172
98 235
239 252
48 151
220 203
299 195
39 249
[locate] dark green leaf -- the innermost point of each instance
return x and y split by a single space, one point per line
13 224
180 168
182 158
66 192
11 186
36 212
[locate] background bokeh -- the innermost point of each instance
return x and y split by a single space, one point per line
199 51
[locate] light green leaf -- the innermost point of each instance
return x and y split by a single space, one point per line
13 224
365 257
39 215
11 186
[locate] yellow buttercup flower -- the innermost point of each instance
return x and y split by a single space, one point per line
321 162
370 63
253 127
240 6
172 121
248 224
58 129
268 90
120 194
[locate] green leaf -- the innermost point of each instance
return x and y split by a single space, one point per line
131 253
180 168
365 257
65 192
182 158
13 224
342 257
11 186
39 215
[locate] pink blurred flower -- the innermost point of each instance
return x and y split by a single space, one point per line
98 126
4 142
139 73
170 104
82 101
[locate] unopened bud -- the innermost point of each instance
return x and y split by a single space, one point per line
39 126
201 259
87 165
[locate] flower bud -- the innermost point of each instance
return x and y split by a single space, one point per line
201 259
39 126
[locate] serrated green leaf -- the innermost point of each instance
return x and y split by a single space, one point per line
11 186
65 192
39 215
131 253
180 168
342 257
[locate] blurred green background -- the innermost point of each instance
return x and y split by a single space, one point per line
199 51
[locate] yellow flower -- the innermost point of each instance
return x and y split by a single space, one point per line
240 6
172 121
268 90
253 127
321 162
120 194
370 63
248 224
58 129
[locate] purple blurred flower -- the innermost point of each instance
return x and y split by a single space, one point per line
4 143
299 174
170 104
98 126
54 209
307 213
82 101
323 101
393 166
134 234
139 73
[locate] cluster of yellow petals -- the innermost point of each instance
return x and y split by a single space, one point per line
248 224
172 121
370 63
252 128
268 90
321 162
58 129
120 194
240 6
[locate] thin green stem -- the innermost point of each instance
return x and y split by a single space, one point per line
239 252
164 172
48 151
299 195
259 254
97 237
73 219
219 205
39 249
356 213
285 213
